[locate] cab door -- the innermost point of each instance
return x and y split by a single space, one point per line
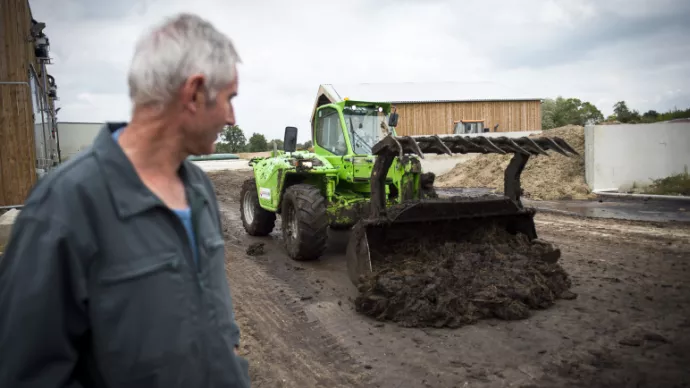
330 141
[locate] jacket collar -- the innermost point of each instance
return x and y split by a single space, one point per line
127 191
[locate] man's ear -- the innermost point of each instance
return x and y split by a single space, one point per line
193 92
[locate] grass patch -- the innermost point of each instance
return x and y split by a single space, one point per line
678 184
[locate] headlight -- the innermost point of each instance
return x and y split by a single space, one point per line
302 163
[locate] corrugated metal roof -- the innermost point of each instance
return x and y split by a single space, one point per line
413 92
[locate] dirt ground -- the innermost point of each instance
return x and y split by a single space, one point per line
629 325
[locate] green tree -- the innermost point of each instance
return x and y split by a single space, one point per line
561 111
589 114
650 116
258 143
624 114
223 148
673 114
233 140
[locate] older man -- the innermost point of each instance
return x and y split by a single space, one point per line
114 275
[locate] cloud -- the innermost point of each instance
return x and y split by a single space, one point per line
602 52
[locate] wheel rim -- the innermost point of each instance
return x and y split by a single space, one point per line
248 207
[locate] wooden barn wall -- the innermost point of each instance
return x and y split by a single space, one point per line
438 118
17 143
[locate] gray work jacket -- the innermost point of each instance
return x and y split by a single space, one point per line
99 288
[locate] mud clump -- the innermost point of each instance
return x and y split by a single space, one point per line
256 249
493 274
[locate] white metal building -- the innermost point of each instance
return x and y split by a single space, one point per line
75 136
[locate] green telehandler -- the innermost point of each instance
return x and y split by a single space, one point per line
360 176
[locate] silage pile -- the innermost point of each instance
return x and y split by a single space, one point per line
493 274
544 177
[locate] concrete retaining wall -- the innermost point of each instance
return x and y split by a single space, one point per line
618 156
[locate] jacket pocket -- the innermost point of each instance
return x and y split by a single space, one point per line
141 267
142 314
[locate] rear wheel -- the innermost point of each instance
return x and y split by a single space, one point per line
304 222
256 220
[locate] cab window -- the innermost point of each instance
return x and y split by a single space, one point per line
329 133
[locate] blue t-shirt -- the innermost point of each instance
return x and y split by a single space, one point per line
185 215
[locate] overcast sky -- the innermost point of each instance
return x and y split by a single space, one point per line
602 51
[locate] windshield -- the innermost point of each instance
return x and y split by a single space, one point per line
363 123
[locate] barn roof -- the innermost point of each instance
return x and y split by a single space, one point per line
413 92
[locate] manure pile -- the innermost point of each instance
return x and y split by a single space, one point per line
492 274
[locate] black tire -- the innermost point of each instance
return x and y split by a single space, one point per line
256 220
304 209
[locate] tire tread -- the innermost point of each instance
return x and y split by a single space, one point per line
311 214
264 220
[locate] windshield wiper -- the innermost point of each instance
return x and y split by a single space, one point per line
355 134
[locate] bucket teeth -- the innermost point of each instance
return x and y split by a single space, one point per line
534 147
437 145
564 144
486 142
455 144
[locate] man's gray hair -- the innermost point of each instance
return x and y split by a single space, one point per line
178 48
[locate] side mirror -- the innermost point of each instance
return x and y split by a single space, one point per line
290 139
393 120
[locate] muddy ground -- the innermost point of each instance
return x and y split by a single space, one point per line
628 327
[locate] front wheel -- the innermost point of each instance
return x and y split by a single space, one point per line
304 222
256 220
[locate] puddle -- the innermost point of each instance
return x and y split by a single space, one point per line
655 211
625 209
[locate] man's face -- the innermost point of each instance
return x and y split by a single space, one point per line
202 120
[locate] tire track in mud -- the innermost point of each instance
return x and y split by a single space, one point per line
284 347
